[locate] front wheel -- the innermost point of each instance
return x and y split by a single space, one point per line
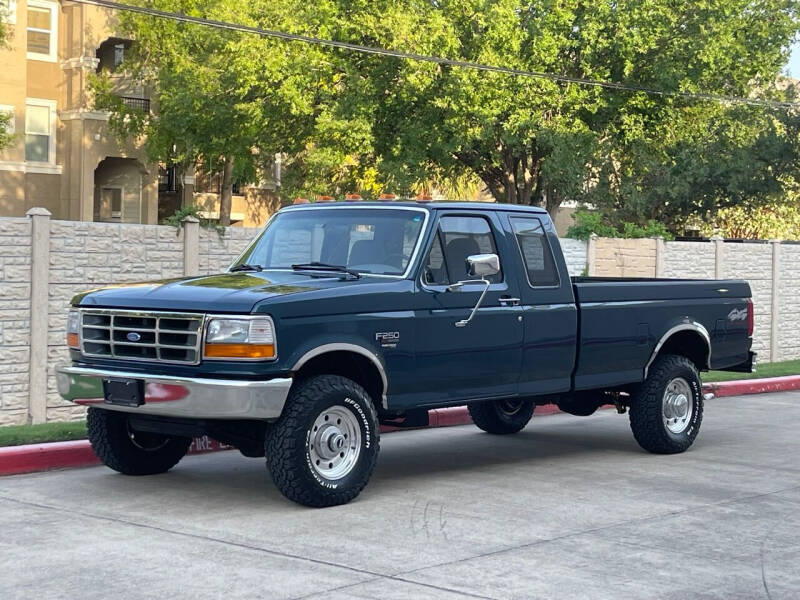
323 448
667 409
501 416
132 452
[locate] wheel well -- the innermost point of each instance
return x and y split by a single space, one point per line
690 344
347 364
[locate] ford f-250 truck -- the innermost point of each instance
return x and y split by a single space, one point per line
341 317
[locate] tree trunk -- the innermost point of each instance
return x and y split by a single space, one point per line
553 202
226 196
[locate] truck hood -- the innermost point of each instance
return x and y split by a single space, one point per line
224 293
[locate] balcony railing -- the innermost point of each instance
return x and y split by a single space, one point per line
142 104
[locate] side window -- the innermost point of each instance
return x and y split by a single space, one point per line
536 252
435 272
458 238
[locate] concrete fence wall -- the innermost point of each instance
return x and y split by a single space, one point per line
44 263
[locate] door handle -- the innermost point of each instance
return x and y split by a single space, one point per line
509 301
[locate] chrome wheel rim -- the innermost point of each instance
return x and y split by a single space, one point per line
334 442
509 407
677 405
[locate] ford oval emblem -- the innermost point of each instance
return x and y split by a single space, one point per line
133 336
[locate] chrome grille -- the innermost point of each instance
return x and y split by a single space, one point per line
164 337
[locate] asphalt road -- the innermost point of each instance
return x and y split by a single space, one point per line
569 508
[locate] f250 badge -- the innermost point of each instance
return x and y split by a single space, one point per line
388 339
737 314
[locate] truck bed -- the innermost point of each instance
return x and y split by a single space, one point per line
622 320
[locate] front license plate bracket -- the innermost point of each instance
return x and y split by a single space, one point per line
123 392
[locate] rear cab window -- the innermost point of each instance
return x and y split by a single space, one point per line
537 255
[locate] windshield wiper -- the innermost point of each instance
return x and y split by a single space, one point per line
246 267
318 266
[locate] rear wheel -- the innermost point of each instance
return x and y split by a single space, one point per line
501 416
132 452
667 410
323 449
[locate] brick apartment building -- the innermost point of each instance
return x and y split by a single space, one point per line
64 157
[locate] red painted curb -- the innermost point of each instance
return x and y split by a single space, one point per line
32 458
62 455
753 386
42 457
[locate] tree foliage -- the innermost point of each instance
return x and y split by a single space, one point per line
348 121
765 222
538 141
594 222
229 100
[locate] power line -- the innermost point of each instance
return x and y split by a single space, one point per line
271 33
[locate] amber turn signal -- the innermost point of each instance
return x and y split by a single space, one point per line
72 340
240 351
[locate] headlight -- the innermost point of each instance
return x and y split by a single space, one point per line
73 324
244 337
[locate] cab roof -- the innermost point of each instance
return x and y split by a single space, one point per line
475 206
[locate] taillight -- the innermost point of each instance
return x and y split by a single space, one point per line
751 320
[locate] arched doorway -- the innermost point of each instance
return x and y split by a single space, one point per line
118 190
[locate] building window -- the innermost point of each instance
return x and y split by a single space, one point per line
111 54
40 126
42 30
8 11
167 179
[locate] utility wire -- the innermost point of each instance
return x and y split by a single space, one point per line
271 33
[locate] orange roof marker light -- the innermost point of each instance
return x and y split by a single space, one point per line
324 198
387 197
424 198
300 201
353 197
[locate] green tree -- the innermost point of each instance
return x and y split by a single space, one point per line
229 100
539 141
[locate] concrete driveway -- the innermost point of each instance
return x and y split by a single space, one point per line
569 508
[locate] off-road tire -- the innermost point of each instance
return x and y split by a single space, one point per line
287 442
646 407
131 452
498 416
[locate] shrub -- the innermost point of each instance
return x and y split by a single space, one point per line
589 222
770 222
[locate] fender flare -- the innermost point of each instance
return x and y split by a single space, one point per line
343 347
686 326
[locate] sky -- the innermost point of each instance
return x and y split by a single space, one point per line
793 66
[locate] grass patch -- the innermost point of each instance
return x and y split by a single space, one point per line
776 369
17 435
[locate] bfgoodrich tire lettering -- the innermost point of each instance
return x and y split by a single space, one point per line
131 452
667 409
501 416
302 472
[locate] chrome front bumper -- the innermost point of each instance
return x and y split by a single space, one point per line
180 396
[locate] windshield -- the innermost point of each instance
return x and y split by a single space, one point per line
366 240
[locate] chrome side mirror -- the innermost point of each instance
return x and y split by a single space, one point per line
483 265
478 265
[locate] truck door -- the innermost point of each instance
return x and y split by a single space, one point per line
481 359
548 306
